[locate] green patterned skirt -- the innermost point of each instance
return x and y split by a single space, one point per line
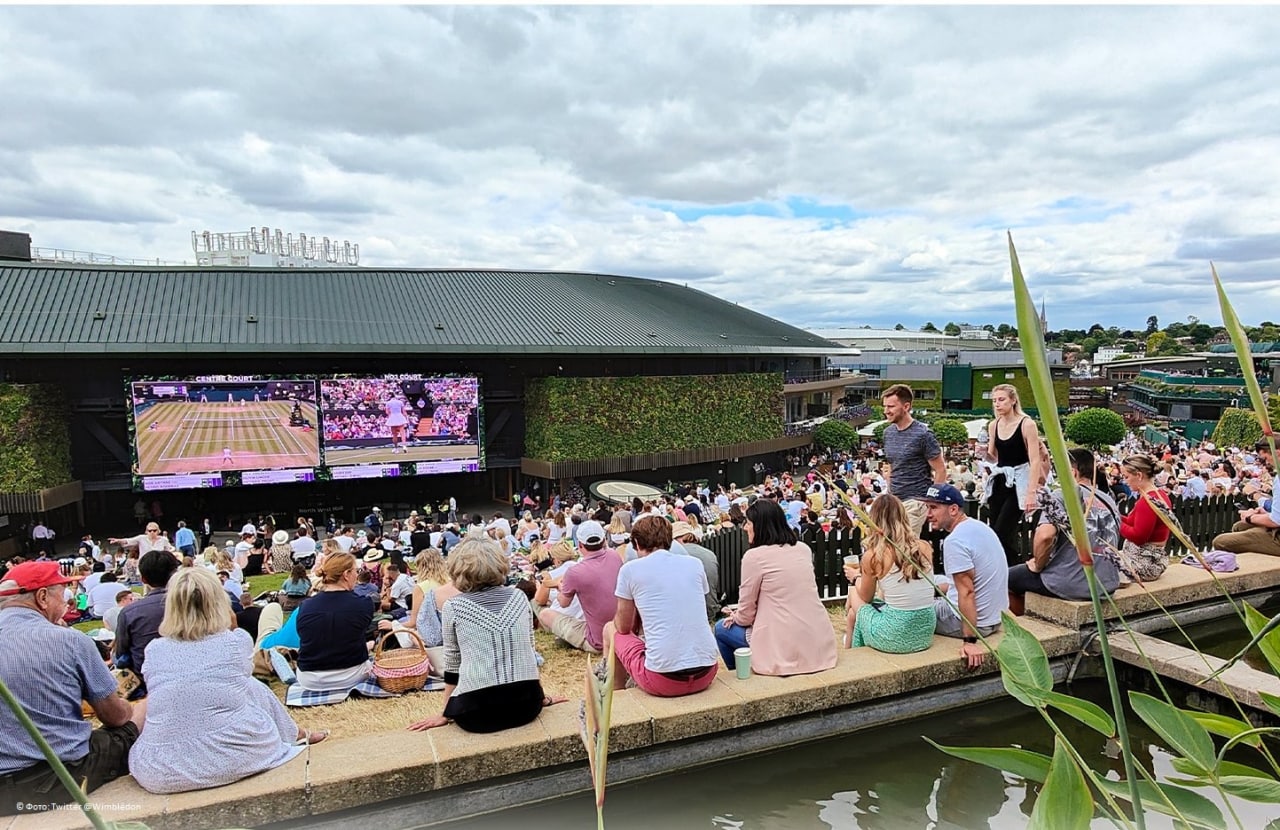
893 631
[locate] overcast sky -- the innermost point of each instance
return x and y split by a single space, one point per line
827 166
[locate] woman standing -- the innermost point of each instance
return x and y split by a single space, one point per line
1143 557
490 671
779 614
1013 447
897 563
396 421
240 729
332 630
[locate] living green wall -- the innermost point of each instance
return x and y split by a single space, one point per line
35 446
579 419
1020 381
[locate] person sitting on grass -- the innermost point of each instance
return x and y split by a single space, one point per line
567 623
490 670
898 564
139 623
201 655
333 652
296 588
663 593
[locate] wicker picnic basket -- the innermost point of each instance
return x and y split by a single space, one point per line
401 669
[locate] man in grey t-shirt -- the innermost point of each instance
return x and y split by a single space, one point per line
913 453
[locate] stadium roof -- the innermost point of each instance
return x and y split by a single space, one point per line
60 309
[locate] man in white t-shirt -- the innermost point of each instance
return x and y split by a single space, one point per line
103 595
245 546
663 593
303 546
977 571
346 539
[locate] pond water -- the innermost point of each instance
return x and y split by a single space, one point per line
1223 637
887 779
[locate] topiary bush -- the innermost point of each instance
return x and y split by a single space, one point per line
1237 428
579 419
835 435
35 445
949 431
1095 427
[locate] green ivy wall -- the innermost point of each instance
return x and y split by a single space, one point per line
35 446
580 419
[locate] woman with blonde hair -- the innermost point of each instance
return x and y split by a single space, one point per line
899 564
201 655
333 629
490 668
1143 557
1013 447
222 561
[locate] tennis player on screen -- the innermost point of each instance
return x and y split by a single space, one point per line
396 420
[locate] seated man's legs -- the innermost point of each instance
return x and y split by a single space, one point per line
269 622
951 625
571 630
629 654
1246 539
1023 581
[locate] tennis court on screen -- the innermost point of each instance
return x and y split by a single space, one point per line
178 436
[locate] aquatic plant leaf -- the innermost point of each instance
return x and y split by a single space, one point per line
1198 779
1252 788
1065 803
1265 635
1244 355
1195 808
1225 726
1024 763
1090 714
1232 768
1179 729
1024 667
1273 702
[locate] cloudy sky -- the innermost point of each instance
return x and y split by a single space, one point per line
828 166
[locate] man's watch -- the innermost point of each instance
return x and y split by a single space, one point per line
971 640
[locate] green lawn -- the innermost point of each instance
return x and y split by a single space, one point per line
257 584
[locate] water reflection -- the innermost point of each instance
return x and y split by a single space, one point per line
884 779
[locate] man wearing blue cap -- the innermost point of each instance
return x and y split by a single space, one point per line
976 569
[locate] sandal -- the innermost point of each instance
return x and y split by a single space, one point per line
312 738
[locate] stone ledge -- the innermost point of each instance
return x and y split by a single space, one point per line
1241 682
446 759
1179 585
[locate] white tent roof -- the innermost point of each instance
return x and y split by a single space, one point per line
869 430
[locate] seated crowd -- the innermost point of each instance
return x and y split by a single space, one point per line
473 593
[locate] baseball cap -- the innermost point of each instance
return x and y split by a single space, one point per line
590 533
32 576
944 494
377 510
249 530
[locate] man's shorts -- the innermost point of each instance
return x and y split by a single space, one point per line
950 625
630 650
38 786
917 512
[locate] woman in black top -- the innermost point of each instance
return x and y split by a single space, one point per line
1013 445
332 625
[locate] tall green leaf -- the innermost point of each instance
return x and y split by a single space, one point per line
1252 788
1179 729
1090 714
1195 808
1023 763
1023 664
1265 635
1225 726
1272 702
1186 767
1240 341
1065 803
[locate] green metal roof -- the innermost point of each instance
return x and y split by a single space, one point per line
1254 348
61 309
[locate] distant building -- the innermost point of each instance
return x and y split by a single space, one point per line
1106 354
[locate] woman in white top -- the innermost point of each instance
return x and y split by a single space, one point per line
394 408
556 528
898 563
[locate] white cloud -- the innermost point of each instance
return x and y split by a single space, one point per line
882 151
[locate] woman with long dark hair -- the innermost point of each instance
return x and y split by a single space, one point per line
779 614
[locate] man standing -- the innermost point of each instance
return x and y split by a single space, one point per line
974 561
662 592
50 669
1258 530
592 582
913 453
41 538
185 540
373 522
146 541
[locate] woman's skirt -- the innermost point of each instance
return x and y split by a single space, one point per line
892 630
494 708
1143 563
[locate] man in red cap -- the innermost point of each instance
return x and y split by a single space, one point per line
50 669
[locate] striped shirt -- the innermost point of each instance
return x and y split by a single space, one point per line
49 669
488 639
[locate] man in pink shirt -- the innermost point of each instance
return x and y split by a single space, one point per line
593 581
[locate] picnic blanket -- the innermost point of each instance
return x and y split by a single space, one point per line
298 696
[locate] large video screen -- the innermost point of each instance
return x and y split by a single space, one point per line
217 430
401 425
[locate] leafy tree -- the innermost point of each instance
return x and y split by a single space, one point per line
835 435
1237 428
1095 427
1153 324
899 327
951 329
1096 328
949 431
929 327
878 432
1155 341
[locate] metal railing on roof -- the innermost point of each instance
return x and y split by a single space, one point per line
61 255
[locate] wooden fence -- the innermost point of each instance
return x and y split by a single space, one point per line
1201 520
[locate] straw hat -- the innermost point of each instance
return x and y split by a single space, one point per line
280 537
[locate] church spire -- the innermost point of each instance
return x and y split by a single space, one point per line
1044 322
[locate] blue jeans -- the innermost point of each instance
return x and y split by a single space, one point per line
728 639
